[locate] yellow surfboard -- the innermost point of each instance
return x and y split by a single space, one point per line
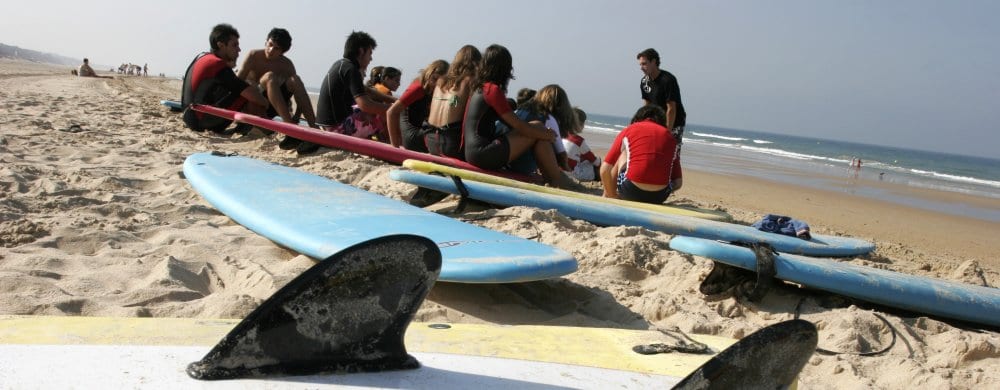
603 351
428 167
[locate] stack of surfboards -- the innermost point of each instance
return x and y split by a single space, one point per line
698 234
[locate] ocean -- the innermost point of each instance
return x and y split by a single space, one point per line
798 160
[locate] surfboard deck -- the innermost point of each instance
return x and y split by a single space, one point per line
317 217
173 105
365 147
612 215
429 167
909 292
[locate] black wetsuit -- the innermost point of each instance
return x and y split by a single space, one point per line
483 147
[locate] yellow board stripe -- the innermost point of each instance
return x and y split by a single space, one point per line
593 347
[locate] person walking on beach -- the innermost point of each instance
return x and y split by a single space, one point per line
343 87
210 80
660 88
643 163
276 78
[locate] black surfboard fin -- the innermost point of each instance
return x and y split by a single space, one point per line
348 313
770 358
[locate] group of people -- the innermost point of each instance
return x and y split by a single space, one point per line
458 109
133 69
85 70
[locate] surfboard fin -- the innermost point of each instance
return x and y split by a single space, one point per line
348 313
770 358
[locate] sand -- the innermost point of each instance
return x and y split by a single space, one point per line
96 220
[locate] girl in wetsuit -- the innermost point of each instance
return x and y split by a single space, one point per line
486 149
415 103
443 128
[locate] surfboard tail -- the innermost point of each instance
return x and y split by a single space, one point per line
348 313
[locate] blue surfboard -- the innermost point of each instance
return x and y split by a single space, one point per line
173 105
318 217
909 292
611 215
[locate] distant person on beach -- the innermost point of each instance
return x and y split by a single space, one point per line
274 75
210 80
443 129
405 118
660 88
86 71
643 163
583 164
145 69
343 89
486 149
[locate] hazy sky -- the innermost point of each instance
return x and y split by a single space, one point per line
918 74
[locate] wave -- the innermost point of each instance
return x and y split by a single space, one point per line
760 141
964 179
707 135
601 129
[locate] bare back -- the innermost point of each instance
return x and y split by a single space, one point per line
448 107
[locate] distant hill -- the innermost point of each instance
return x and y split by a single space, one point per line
7 51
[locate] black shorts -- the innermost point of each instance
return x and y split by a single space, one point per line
628 191
413 137
494 155
444 141
286 94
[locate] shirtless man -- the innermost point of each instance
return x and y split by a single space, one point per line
276 78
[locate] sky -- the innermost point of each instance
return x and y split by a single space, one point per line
914 74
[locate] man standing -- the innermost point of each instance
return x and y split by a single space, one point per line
660 88
277 79
210 80
343 87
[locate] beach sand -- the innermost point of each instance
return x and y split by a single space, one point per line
96 220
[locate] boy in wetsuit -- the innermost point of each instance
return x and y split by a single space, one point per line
210 80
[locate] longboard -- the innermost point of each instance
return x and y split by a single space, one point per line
909 292
351 314
317 217
173 105
357 145
429 167
613 215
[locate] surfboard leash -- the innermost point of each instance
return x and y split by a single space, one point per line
683 345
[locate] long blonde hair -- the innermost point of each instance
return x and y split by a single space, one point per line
553 100
465 64
439 68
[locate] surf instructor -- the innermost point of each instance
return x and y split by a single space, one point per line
660 88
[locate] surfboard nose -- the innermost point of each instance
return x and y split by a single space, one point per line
348 313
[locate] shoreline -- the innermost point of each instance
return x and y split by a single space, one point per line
95 220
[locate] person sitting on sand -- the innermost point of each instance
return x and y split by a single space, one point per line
643 163
343 88
275 76
389 81
583 164
210 80
549 107
443 129
415 103
86 71
485 148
